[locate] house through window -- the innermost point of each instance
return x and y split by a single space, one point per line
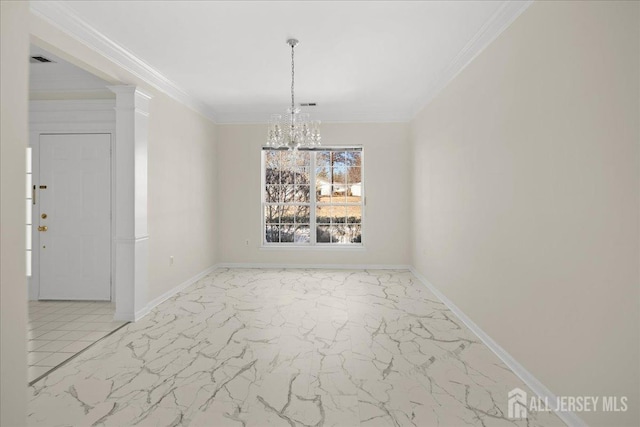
312 197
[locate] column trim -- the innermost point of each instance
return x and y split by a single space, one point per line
130 215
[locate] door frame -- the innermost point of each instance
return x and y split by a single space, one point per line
69 117
127 120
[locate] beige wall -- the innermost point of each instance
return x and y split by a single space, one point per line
525 194
386 177
14 77
182 188
182 194
526 190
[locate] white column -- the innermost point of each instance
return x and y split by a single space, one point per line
131 236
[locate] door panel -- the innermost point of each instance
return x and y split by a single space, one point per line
75 250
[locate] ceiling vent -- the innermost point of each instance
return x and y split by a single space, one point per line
307 104
39 60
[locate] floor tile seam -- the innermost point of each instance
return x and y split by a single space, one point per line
74 356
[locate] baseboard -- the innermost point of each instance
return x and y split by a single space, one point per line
316 266
570 418
171 292
125 316
159 300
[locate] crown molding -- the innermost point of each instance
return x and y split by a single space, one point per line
499 21
64 18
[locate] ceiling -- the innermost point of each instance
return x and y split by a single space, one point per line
359 61
61 76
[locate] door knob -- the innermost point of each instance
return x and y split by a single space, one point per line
43 228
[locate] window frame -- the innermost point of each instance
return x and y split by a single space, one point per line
313 243
30 201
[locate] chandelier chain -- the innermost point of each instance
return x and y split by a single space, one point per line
296 130
292 77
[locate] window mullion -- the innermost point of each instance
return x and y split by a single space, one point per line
312 194
289 206
263 189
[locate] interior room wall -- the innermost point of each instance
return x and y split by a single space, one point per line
14 94
182 194
181 168
526 197
386 178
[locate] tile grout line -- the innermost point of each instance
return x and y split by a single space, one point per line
76 354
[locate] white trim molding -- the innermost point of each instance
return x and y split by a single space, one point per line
315 266
570 418
499 21
131 235
65 19
78 115
171 292
59 117
192 280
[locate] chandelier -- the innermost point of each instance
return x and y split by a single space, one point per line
295 129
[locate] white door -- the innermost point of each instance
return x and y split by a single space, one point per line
75 207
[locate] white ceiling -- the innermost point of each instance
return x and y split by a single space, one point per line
61 76
359 61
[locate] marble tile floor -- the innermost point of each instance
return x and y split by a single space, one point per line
259 347
58 330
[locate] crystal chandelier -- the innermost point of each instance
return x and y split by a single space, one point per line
295 130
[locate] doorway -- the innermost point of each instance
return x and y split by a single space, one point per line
70 200
86 226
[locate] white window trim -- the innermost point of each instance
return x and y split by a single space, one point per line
313 244
30 192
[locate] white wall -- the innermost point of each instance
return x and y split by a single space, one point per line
386 177
181 168
14 72
526 190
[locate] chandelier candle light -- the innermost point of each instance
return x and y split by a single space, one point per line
296 130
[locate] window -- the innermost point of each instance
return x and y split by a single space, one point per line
312 197
29 211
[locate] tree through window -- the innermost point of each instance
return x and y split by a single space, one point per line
312 197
